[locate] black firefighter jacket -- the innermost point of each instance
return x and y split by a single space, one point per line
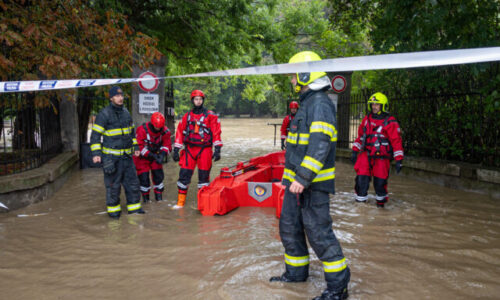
311 142
115 125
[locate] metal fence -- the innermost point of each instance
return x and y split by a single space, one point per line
449 127
29 135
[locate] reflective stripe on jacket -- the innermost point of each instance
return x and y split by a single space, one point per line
115 126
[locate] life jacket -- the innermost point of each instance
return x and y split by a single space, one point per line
197 133
156 143
374 141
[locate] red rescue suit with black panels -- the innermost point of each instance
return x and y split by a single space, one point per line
197 132
151 142
285 126
379 140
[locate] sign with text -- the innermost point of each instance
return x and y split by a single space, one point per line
148 103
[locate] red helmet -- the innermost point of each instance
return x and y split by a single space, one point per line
197 93
294 104
158 120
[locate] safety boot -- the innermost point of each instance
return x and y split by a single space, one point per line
181 200
138 211
380 204
284 278
145 198
158 197
331 295
114 215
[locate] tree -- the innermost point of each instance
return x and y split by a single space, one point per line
66 39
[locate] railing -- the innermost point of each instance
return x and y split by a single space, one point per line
449 127
29 135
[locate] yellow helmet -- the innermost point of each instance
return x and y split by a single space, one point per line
306 78
378 98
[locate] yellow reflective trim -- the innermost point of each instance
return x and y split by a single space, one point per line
311 164
98 128
135 206
116 151
292 138
326 174
134 141
117 131
289 175
95 147
334 266
112 209
296 261
322 127
303 138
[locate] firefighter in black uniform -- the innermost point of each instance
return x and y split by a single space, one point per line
114 124
309 177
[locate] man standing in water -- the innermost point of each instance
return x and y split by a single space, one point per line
379 140
198 130
285 126
114 124
309 177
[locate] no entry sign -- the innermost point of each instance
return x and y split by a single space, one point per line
339 83
148 85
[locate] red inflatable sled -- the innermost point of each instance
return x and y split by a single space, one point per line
256 183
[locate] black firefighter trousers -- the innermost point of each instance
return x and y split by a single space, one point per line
309 214
125 174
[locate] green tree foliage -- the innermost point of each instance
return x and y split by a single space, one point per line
66 39
464 97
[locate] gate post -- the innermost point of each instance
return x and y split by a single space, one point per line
149 96
68 120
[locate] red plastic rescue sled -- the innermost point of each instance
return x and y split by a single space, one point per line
256 182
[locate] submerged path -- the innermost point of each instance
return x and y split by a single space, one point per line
429 242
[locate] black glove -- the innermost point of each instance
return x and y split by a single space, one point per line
108 165
159 157
283 144
216 155
176 156
354 156
399 166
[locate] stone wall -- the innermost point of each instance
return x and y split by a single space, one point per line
456 175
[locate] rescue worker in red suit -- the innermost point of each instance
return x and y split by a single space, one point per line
198 131
378 141
285 126
155 144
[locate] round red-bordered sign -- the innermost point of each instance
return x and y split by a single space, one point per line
149 85
339 83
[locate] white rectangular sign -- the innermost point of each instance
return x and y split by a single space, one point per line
148 103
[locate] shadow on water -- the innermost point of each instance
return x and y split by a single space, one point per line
429 242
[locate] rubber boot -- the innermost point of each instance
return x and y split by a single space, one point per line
181 200
283 278
145 198
139 211
380 204
114 215
331 295
158 197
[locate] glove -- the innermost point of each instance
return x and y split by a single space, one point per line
159 157
354 156
399 166
283 144
216 155
176 156
108 166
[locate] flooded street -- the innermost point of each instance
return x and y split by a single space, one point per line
430 242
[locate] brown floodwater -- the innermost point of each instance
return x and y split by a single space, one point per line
430 242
